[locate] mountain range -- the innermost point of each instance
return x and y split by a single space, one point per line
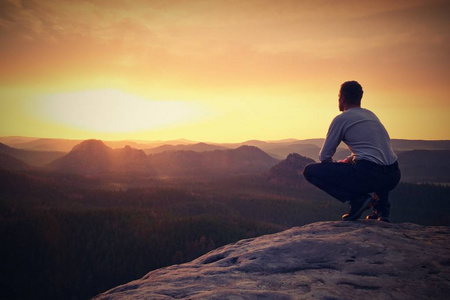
277 149
197 147
242 160
94 157
420 161
66 145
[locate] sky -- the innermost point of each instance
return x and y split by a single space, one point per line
220 71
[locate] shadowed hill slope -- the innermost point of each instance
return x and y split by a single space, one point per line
243 160
11 163
425 165
290 170
30 157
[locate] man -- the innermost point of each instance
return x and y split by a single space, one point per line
372 167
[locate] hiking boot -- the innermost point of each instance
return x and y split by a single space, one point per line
373 215
384 219
383 214
357 207
381 210
376 215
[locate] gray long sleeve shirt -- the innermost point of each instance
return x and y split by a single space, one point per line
361 130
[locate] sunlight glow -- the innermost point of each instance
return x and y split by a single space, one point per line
220 71
116 111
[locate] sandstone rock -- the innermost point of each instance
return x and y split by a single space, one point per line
325 260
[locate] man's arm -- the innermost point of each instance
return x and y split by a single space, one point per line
332 141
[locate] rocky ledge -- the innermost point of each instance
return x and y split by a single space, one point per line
325 260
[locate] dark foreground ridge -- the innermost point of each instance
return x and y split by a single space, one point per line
325 260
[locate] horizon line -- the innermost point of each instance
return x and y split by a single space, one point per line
191 141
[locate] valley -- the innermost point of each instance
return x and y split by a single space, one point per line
95 217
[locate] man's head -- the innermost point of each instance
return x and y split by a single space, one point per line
350 95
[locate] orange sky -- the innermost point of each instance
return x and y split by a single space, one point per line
220 71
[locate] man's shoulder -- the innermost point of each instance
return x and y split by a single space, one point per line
338 118
352 115
348 113
356 113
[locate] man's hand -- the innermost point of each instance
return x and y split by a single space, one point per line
347 160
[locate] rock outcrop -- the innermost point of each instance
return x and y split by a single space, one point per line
326 260
94 157
290 170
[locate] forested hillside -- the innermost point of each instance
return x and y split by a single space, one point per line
72 237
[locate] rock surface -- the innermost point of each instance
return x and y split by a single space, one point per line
325 260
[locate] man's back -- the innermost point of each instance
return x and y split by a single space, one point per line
363 133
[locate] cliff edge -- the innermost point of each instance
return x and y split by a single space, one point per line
325 260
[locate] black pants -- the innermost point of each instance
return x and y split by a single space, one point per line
347 182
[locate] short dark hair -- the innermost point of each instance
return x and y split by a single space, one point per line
352 91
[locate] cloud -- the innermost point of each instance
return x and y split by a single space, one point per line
242 37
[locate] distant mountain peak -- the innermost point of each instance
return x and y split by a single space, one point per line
251 152
91 145
290 171
94 157
130 152
248 147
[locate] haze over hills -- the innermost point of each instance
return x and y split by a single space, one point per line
94 157
11 163
400 145
30 157
189 158
66 145
278 149
425 165
198 147
243 160
40 144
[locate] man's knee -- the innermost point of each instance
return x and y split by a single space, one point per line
308 171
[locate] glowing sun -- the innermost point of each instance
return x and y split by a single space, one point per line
116 111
